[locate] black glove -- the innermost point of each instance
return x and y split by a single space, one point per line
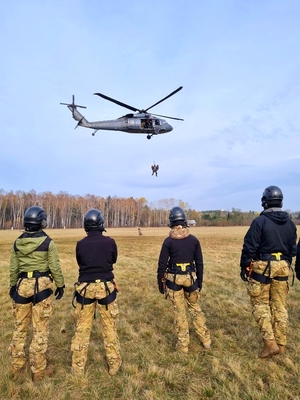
244 274
59 292
161 287
12 291
199 286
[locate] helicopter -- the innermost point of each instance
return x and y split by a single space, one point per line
141 122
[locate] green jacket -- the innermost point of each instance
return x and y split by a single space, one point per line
35 251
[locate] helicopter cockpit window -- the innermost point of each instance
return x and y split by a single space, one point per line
157 122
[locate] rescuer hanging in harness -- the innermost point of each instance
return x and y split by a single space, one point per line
154 168
269 246
180 275
95 289
34 264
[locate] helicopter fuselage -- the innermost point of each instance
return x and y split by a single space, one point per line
131 123
141 122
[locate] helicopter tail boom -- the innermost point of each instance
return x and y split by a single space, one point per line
78 117
76 114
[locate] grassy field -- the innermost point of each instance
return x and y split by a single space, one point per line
152 369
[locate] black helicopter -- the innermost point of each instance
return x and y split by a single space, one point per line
141 122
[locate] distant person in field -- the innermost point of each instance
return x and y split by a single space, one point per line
179 276
34 264
95 289
154 168
140 232
269 246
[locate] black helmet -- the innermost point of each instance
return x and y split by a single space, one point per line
35 218
177 217
272 197
93 220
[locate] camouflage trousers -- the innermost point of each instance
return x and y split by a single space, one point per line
269 301
190 300
39 315
85 315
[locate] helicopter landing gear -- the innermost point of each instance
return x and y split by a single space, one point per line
149 137
93 134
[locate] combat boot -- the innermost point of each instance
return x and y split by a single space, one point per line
270 348
16 373
114 368
207 345
182 349
47 372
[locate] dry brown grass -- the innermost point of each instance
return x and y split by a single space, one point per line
151 369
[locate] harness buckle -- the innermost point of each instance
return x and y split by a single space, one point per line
182 266
277 255
30 274
97 280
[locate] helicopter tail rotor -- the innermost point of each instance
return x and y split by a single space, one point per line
76 114
72 106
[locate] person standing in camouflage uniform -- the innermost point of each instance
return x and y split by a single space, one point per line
95 255
180 275
34 264
268 248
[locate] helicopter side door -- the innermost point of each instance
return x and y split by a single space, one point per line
147 124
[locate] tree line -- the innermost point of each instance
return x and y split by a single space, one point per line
67 211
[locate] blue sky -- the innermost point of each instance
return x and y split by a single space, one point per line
237 60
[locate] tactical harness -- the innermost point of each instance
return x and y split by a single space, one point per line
266 279
80 296
182 269
37 296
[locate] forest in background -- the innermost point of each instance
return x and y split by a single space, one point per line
66 211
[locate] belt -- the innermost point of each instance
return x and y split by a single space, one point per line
34 274
272 257
95 281
181 268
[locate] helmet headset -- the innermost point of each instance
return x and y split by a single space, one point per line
93 220
177 217
272 197
35 219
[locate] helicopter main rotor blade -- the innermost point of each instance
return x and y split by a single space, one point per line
165 116
165 98
117 102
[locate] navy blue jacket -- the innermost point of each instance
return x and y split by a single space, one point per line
95 255
181 251
297 264
271 232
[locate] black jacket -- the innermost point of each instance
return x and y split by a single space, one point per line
180 251
297 264
271 232
95 255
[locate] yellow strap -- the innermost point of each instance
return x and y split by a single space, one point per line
183 265
277 255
